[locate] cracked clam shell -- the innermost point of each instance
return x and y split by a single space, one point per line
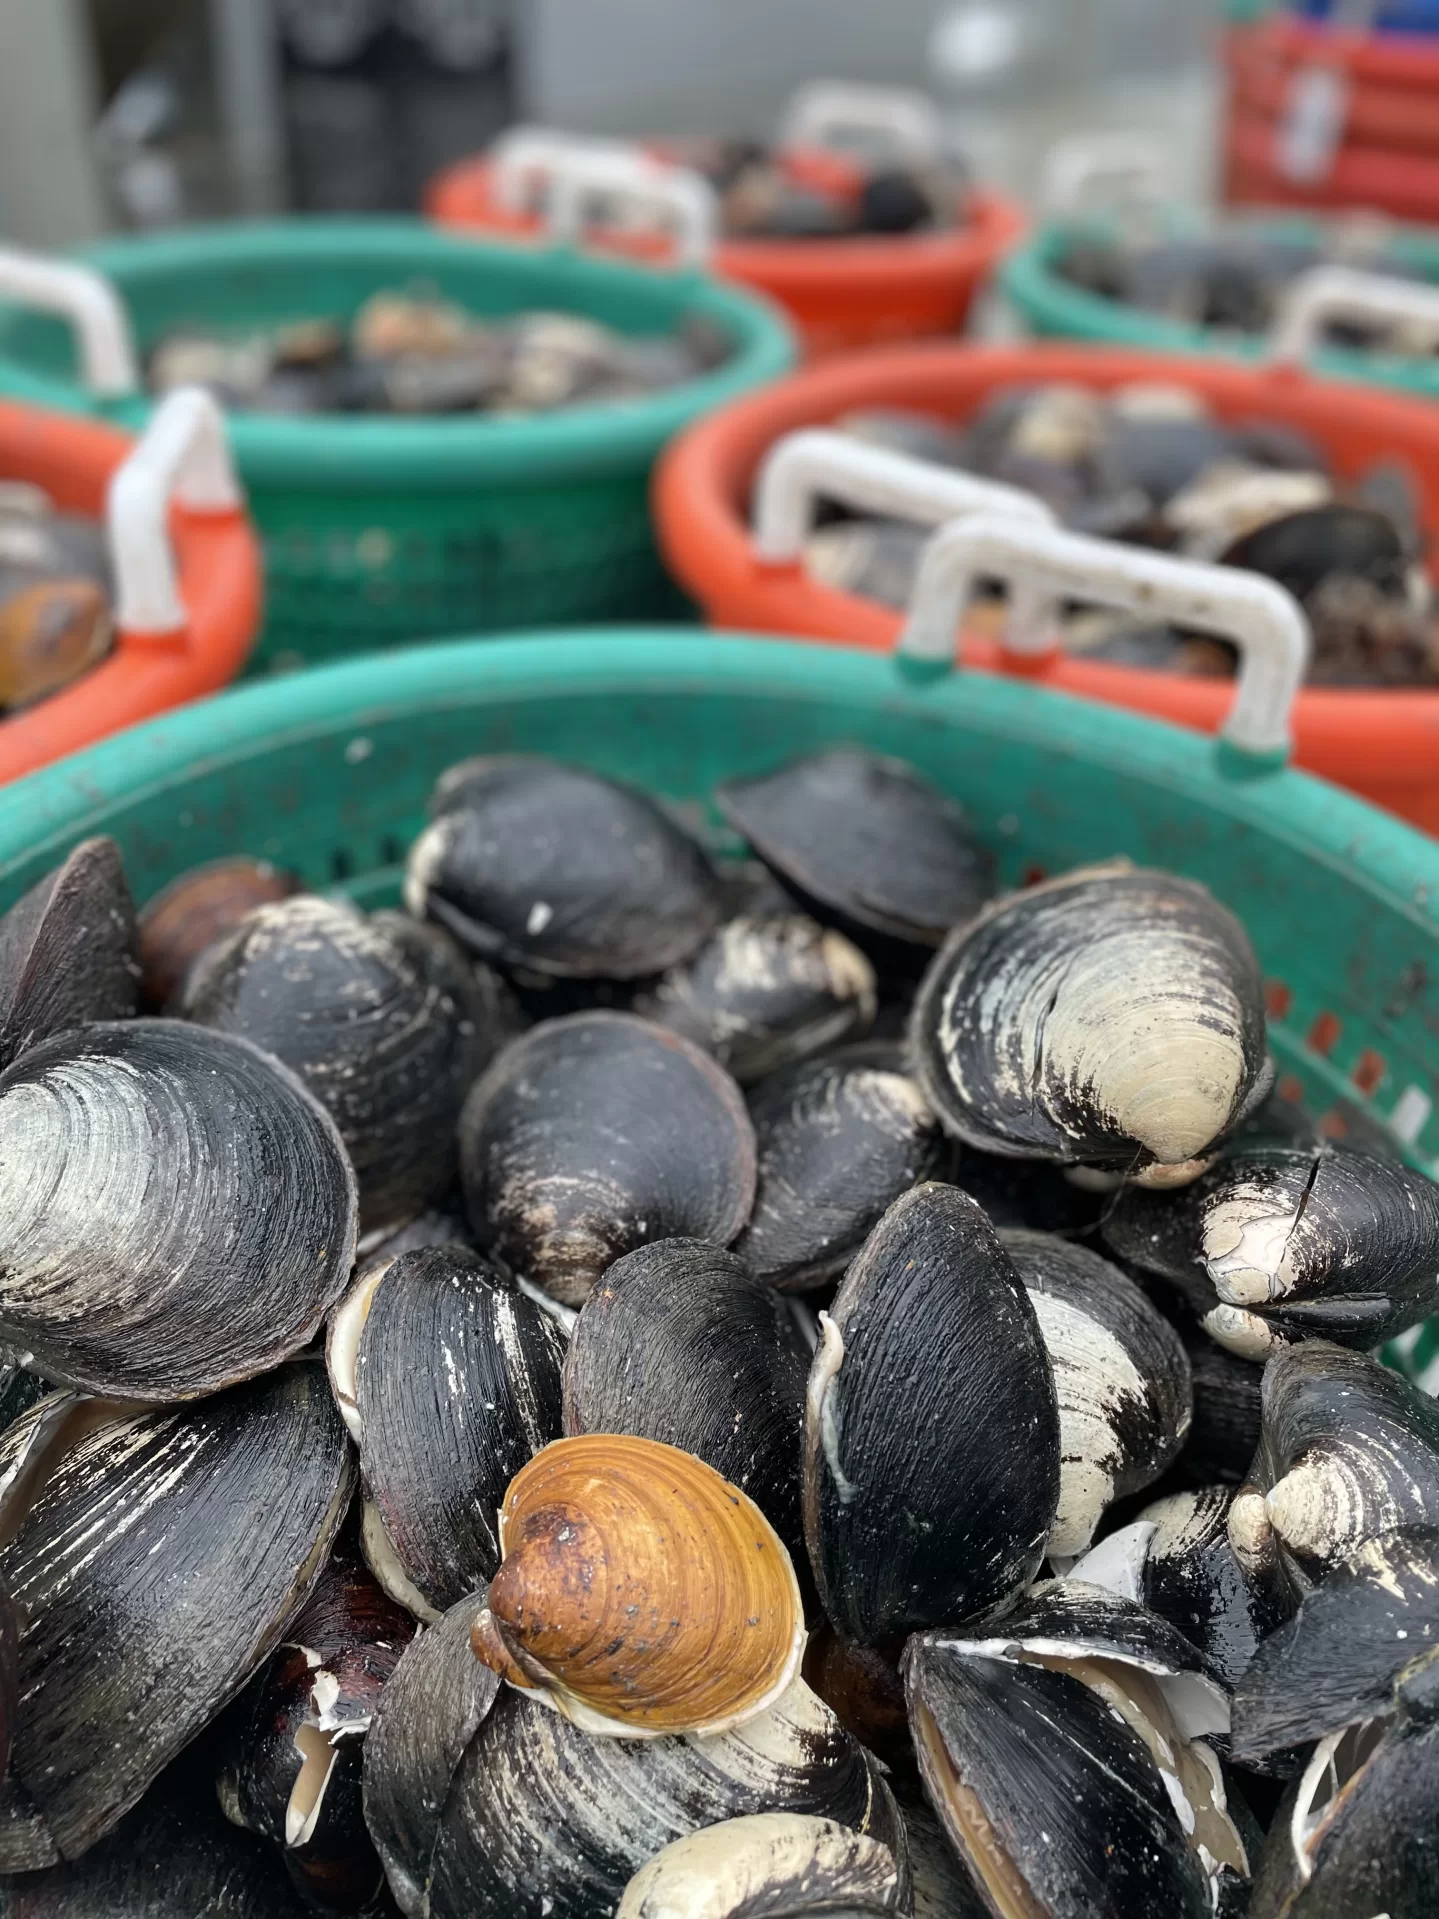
1193 1578
771 1865
558 871
680 1342
155 1558
385 1042
68 950
1113 1017
640 1593
866 844
1121 1376
449 1381
1296 1241
931 1427
765 991
594 1133
176 1210
838 1140
484 1805
1349 1450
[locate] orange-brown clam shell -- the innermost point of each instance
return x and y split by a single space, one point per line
641 1594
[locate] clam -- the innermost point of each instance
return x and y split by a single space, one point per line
50 634
878 559
1112 1018
380 1032
1028 1195
931 1428
1064 1752
781 1865
1349 1451
838 1140
863 1688
1121 1376
292 1743
558 871
9 1675
68 950
486 1806
639 1593
762 993
1301 550
595 1133
155 1559
391 325
865 844
449 1381
680 1343
943 1889
176 1210
1310 1239
1356 1672
1193 1578
1228 1416
192 912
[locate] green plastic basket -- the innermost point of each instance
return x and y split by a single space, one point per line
1056 308
385 530
328 774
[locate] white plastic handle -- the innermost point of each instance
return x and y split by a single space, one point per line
815 463
1344 293
1044 566
901 122
1100 171
579 170
88 301
184 453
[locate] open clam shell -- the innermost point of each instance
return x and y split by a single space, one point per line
595 1133
195 910
176 1211
546 867
1112 1017
449 1380
1121 1376
680 1343
199 1216
931 1428
69 950
762 992
640 1593
387 1047
154 1564
1349 1451
866 844
783 1865
839 1139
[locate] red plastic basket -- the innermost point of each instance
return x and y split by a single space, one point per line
1382 743
187 566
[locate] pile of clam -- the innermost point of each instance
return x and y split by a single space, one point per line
637 1387
1151 464
769 193
411 352
55 596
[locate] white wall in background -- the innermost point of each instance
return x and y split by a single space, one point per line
49 195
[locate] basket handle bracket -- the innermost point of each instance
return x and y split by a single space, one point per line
902 124
1344 293
92 307
579 171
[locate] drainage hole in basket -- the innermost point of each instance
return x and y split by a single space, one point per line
341 866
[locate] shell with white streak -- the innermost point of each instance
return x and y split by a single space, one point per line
69 950
1113 1017
1121 1376
449 1380
765 1867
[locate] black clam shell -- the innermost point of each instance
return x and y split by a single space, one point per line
69 950
9 1674
1224 1435
1071 1619
1121 1376
1113 1017
679 1342
1193 1579
762 992
1302 549
866 844
943 1888
595 1133
457 1385
931 1429
381 1032
1074 1805
157 1568
839 1139
546 867
176 1211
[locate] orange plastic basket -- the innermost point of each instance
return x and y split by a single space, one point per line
1381 743
1387 113
840 294
186 563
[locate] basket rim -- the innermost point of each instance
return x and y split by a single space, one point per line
1392 861
348 455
